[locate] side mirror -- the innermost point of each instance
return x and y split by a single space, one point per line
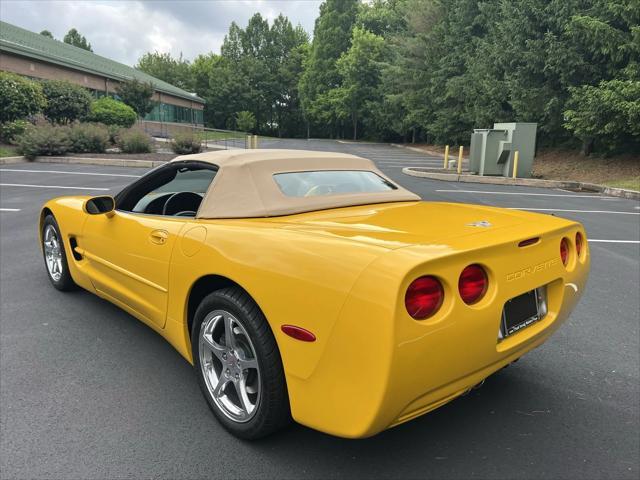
99 205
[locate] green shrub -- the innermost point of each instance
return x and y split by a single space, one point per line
185 143
133 141
245 121
65 102
19 97
112 112
10 130
89 138
43 140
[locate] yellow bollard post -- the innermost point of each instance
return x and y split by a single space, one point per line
248 142
515 163
460 160
255 141
446 157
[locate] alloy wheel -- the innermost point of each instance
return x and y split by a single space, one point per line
53 253
229 366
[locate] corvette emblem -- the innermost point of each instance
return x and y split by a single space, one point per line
481 223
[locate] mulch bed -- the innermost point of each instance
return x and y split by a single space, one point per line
563 165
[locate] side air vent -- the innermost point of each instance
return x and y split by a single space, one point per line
74 243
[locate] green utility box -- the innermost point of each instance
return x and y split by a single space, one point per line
492 149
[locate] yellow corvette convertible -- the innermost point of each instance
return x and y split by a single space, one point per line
309 285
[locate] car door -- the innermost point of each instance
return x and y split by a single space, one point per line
128 251
128 259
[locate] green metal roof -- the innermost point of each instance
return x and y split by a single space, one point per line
33 45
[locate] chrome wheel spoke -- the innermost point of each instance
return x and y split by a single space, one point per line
218 350
229 336
241 389
247 363
218 391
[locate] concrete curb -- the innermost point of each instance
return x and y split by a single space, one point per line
453 153
523 182
108 162
11 160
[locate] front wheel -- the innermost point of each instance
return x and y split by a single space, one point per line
55 258
238 365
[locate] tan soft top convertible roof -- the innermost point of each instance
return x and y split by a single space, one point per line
244 185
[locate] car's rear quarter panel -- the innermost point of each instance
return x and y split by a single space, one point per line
295 277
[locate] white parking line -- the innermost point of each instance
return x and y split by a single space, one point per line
591 240
9 209
68 173
51 186
520 193
404 164
575 211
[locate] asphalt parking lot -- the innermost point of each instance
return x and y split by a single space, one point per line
87 391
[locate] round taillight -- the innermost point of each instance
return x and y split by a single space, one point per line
472 284
564 250
579 243
424 297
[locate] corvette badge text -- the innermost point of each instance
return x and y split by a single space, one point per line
531 270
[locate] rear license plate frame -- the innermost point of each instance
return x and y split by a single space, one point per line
522 311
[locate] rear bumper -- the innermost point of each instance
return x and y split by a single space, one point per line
381 368
445 393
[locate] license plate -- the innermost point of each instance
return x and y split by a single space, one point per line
522 311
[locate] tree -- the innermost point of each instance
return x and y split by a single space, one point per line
607 114
359 68
201 76
245 121
258 71
331 37
554 46
19 97
112 112
137 95
47 33
175 71
73 37
66 102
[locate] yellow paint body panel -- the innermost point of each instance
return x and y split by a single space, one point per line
342 274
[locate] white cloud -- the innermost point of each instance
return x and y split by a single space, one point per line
125 30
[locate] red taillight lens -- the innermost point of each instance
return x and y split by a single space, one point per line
424 297
579 243
472 284
564 250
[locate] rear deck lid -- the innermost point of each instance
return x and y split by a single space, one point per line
396 225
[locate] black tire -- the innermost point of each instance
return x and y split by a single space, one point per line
272 411
63 282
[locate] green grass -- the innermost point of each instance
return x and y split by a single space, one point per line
215 135
632 183
8 151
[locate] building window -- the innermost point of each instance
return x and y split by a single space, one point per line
165 112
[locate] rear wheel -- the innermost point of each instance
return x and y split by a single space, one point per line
238 365
55 258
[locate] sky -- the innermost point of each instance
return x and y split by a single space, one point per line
125 30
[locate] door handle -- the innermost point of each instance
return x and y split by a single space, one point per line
159 237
